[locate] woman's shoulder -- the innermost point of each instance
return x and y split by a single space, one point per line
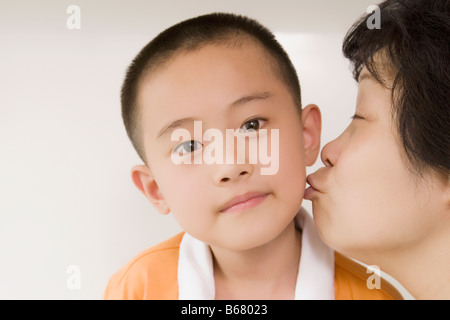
353 281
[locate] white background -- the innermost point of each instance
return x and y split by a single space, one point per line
66 197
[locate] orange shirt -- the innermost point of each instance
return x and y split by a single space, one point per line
152 275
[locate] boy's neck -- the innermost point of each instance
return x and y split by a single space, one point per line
266 272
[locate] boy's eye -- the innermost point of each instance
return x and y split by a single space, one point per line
253 124
187 147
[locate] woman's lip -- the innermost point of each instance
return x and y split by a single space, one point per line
310 181
311 190
245 201
308 193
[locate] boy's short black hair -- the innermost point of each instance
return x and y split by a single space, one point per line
190 35
414 42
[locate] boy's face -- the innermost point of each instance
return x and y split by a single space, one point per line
224 88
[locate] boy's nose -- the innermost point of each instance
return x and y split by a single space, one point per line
229 173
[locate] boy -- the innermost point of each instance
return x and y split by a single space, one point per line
246 236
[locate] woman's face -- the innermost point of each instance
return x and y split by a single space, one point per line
366 199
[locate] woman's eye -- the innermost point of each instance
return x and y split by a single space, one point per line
253 124
187 147
357 117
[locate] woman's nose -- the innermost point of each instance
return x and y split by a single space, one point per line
331 152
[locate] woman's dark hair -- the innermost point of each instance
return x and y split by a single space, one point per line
190 35
414 42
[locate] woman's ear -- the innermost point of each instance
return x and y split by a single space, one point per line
312 128
447 192
143 179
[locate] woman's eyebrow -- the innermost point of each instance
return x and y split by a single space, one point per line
365 75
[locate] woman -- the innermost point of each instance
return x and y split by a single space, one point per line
383 196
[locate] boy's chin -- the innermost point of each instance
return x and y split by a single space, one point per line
250 240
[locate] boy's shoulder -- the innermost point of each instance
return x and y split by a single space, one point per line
350 282
153 275
152 271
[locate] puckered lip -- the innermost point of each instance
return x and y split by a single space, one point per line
312 184
242 198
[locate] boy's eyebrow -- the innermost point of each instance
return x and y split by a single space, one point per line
243 100
175 124
255 96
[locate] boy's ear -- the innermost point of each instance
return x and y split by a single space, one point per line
143 179
312 128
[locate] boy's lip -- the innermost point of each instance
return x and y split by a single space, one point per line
244 201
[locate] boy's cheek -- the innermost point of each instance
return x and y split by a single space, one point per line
292 163
291 181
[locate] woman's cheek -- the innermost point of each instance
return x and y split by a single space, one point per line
356 192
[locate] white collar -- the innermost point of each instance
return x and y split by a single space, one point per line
315 279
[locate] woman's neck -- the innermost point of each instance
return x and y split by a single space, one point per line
266 272
422 268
